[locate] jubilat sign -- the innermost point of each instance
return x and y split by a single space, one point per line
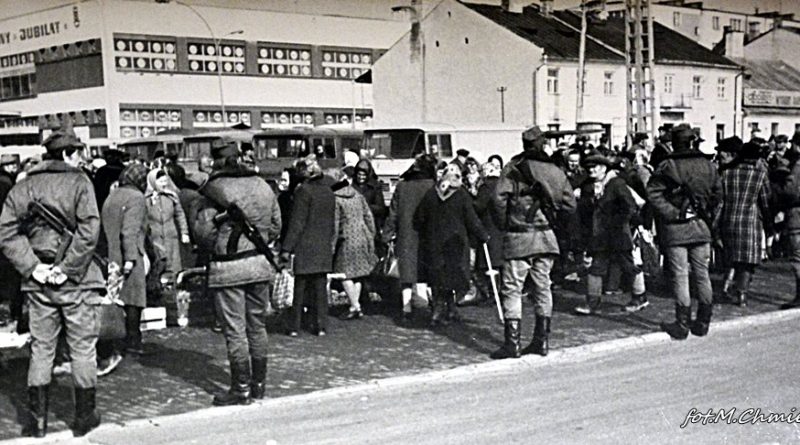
771 98
35 31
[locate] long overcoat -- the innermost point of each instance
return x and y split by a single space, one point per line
124 222
355 247
312 227
399 223
611 214
745 208
166 223
483 207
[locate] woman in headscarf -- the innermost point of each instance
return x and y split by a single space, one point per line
166 222
445 218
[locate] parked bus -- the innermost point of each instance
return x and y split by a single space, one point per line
197 145
169 141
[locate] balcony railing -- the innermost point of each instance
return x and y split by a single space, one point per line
676 101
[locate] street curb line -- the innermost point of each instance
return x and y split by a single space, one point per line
567 355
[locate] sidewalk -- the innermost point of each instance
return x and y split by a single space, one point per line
190 364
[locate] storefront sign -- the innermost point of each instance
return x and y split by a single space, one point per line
45 28
771 98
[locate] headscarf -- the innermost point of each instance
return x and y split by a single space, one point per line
449 183
490 170
134 175
153 190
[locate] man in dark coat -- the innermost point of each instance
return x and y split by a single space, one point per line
787 196
311 238
684 191
531 193
238 273
9 278
107 175
62 283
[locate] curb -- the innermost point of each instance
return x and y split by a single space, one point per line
466 372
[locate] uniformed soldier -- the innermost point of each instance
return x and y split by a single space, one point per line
60 281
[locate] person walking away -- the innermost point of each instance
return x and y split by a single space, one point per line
355 248
530 188
311 238
444 219
745 197
413 184
684 192
61 282
125 222
106 175
166 223
239 274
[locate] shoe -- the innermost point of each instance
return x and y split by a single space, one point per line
679 329
573 277
352 314
217 327
63 369
540 344
110 365
86 418
239 392
703 319
259 377
452 313
439 316
510 348
321 333
38 401
470 299
612 292
637 303
740 299
590 307
292 333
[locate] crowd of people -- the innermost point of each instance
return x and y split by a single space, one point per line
461 232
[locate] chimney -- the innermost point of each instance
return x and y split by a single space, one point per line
546 8
505 4
514 6
734 44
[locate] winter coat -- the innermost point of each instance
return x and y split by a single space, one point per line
242 264
312 230
373 192
103 178
483 207
444 227
745 210
166 223
399 223
6 183
787 198
68 193
125 222
668 194
355 247
612 212
528 235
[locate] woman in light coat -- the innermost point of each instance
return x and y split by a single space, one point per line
166 222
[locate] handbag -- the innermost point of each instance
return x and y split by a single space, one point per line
388 266
283 291
112 321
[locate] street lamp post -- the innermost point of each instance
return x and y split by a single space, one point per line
216 52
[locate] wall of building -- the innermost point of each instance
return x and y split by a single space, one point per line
781 45
786 123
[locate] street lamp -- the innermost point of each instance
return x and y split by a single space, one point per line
216 51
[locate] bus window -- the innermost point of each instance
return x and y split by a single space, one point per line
280 147
324 148
351 144
196 149
396 144
443 144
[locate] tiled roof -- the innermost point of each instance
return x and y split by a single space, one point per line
770 75
558 35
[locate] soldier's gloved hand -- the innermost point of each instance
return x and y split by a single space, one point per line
127 268
41 273
57 277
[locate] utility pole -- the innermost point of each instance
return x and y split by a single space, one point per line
581 66
502 90
639 63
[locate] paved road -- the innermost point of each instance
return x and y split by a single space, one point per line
639 395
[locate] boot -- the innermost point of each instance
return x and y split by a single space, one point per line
703 319
540 344
259 366
679 329
86 418
796 302
239 394
38 401
452 312
510 348
439 316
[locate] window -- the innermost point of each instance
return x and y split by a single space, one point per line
715 23
269 118
608 83
552 80
697 82
344 118
18 74
774 129
214 119
753 28
144 122
203 57
282 61
736 24
721 88
345 64
668 83
676 18
144 54
444 146
720 132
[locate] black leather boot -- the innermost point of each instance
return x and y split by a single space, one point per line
38 401
679 329
703 319
239 393
439 314
540 344
259 366
510 348
452 311
86 418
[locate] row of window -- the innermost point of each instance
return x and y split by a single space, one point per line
162 54
17 86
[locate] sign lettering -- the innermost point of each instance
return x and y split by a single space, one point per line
771 98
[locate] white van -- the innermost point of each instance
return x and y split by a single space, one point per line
393 148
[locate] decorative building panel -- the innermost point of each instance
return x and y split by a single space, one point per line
203 57
345 64
145 54
345 118
284 61
17 76
213 118
270 118
145 122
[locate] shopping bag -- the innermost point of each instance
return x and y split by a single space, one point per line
388 266
283 291
112 321
650 257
